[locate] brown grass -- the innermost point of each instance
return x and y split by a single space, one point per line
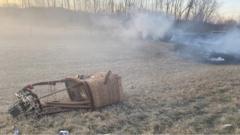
164 94
199 103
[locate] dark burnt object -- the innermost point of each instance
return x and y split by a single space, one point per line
84 92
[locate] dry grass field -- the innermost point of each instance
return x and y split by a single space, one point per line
164 93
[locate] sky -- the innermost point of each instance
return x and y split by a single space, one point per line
230 8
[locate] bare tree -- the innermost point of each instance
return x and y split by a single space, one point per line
178 9
167 6
189 8
203 10
198 10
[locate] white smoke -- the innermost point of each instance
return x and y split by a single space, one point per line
145 26
137 25
209 46
228 43
155 26
142 25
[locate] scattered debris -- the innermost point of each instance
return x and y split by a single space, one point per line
64 132
16 131
228 127
218 59
84 92
223 58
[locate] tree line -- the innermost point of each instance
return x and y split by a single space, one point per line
198 10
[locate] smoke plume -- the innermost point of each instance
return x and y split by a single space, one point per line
137 25
210 47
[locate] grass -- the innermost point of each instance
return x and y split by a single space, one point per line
202 103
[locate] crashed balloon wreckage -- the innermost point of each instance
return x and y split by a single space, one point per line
82 92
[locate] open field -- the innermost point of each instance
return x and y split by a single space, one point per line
164 93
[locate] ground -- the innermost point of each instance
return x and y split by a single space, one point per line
164 93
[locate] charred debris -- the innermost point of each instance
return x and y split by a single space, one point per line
84 92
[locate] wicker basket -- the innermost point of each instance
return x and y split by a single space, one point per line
101 89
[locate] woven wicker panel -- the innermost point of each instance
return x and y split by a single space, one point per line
108 93
76 89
